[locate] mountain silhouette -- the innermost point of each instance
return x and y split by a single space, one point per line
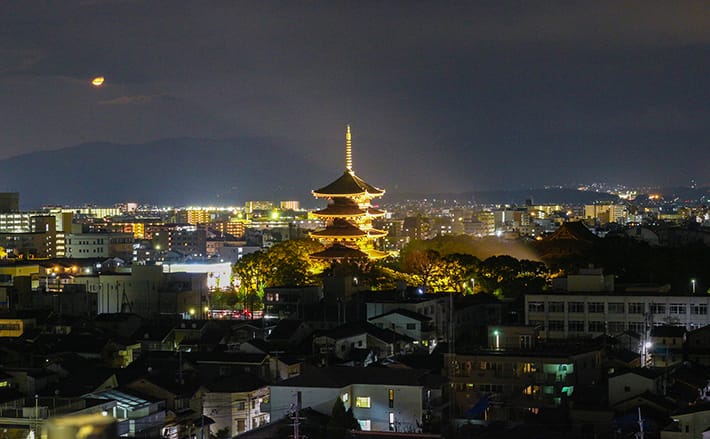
175 172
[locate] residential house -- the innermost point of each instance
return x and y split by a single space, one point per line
234 402
344 340
411 324
381 399
666 346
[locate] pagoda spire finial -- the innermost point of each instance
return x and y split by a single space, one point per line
348 149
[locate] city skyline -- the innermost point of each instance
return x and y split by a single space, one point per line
455 97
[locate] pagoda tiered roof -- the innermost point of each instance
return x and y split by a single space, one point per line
348 185
339 251
375 212
348 215
376 233
340 228
341 207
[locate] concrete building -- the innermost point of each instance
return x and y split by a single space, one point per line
605 213
234 403
381 399
87 245
509 384
434 307
588 314
9 202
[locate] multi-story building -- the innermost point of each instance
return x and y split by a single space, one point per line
186 239
29 245
87 245
9 202
251 206
512 220
416 228
234 402
194 216
381 399
99 245
234 228
290 205
509 383
15 222
604 213
588 314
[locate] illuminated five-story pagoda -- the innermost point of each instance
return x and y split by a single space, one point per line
348 233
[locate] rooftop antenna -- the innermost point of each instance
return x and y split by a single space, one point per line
348 149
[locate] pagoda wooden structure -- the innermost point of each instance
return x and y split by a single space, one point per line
348 216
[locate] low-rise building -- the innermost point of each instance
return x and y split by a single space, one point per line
588 314
507 384
381 399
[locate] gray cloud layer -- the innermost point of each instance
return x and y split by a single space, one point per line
440 94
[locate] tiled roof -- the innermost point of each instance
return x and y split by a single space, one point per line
340 227
285 329
406 313
573 230
348 184
357 328
668 331
338 251
336 377
344 207
244 382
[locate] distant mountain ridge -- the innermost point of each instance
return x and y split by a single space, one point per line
178 171
198 171
515 196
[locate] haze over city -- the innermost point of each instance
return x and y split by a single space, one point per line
441 96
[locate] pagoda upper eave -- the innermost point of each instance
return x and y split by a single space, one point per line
375 233
335 211
334 233
348 185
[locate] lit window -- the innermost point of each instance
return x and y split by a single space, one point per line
345 397
363 402
391 397
391 421
364 424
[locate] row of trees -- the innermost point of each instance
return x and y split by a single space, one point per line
440 265
449 263
439 270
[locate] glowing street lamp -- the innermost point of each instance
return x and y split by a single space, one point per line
497 335
692 284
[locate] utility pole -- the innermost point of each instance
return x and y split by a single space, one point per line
296 418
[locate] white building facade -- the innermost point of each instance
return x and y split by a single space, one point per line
564 315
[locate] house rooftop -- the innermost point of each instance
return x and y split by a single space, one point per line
337 377
406 313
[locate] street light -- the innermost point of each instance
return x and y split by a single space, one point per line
497 334
692 284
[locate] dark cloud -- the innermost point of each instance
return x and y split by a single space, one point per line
440 94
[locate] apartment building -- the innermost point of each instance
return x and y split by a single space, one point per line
588 314
509 384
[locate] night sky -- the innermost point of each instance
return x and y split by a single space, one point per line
440 95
